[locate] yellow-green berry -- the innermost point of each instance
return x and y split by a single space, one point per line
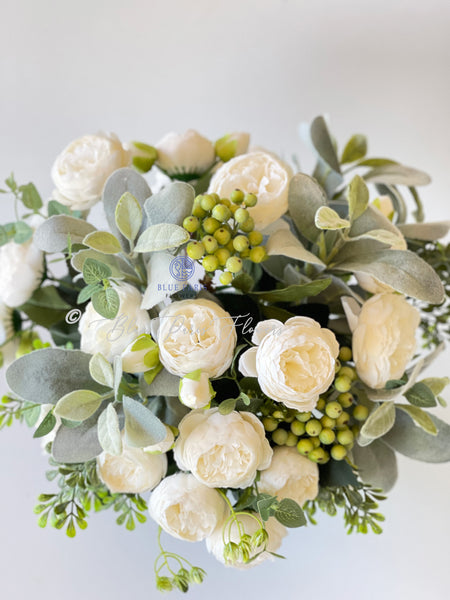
245 253
198 211
241 215
234 264
226 278
348 372
315 441
360 412
225 202
248 225
319 455
291 440
191 224
303 416
222 235
345 353
279 436
305 446
257 254
327 436
328 422
345 400
195 250
237 196
250 200
278 414
208 202
342 420
297 428
333 409
230 247
313 427
338 452
222 256
269 424
321 404
345 436
210 225
255 238
221 213
343 383
210 244
210 263
241 243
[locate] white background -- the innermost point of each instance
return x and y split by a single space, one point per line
142 68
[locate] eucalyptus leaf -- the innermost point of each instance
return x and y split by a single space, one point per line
128 216
103 241
109 431
284 243
161 237
293 293
420 418
101 370
378 423
425 231
45 375
52 235
77 445
170 205
327 218
23 232
118 266
142 426
106 302
377 464
355 149
323 143
396 174
358 197
306 196
78 405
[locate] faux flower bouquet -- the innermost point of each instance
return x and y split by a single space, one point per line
245 343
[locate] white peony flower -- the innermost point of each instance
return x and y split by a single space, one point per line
21 268
112 336
275 530
187 509
188 153
195 334
294 362
258 173
231 145
81 170
196 390
132 472
290 475
222 450
163 446
384 338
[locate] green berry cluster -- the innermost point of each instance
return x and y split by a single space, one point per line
225 234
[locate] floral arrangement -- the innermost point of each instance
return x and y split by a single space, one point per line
244 341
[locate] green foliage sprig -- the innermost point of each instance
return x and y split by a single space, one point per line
14 409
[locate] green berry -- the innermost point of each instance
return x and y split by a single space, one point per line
305 446
241 243
215 197
280 436
234 264
222 235
303 416
195 250
328 422
258 254
292 440
313 427
245 253
278 414
333 409
210 225
360 412
208 202
248 225
345 436
250 200
345 354
321 404
338 452
210 263
241 215
319 455
269 424
230 247
225 202
237 196
191 224
297 428
221 213
210 244
348 372
327 436
226 278
342 420
255 238
198 211
345 400
222 256
343 383
315 441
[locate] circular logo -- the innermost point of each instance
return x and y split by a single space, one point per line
73 316
182 268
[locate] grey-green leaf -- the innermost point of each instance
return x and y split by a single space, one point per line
118 266
377 464
79 444
52 235
78 405
170 205
420 417
379 422
425 231
44 376
227 406
161 237
327 218
30 197
47 424
106 302
290 514
355 149
323 143
358 197
101 370
23 232
95 271
420 395
164 384
283 243
306 196
128 216
103 241
396 174
142 426
293 293
109 431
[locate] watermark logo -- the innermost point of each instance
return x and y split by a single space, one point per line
182 268
73 316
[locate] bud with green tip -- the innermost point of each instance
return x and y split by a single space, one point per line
197 575
195 390
143 156
164 584
259 538
231 145
141 355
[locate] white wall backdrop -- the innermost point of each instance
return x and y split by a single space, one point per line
141 68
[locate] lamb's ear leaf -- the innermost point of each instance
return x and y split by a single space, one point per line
306 196
53 234
142 426
377 464
171 205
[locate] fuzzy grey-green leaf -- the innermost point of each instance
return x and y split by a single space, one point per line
306 196
52 235
161 237
109 431
170 205
142 426
379 422
101 370
376 464
78 405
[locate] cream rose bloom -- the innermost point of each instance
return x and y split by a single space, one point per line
258 173
81 170
187 509
112 336
196 390
294 362
222 450
188 153
384 338
276 532
195 334
290 475
132 472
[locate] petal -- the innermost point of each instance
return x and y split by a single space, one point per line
263 328
247 363
352 310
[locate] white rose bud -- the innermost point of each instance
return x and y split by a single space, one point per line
384 338
187 154
141 355
195 334
81 170
21 268
294 362
258 173
132 472
231 145
222 450
187 509
163 446
290 475
110 337
276 532
196 390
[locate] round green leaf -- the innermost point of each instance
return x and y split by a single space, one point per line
103 241
78 405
